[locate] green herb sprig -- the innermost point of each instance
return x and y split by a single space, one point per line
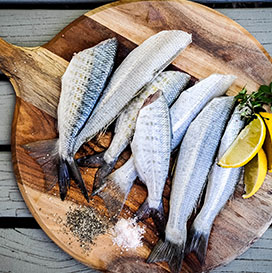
251 104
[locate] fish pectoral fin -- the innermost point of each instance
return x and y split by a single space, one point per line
198 243
45 152
92 161
76 175
170 252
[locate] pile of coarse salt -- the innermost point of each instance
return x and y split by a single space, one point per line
127 234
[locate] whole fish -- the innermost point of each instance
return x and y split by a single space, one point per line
139 68
171 83
221 185
151 149
82 85
196 156
182 112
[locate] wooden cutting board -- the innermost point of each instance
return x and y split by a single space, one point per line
219 45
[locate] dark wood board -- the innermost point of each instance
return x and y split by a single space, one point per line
219 45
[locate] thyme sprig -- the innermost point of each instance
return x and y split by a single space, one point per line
251 104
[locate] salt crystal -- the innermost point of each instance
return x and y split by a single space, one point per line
127 234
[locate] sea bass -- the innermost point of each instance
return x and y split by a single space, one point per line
81 86
182 112
140 67
151 149
196 156
171 83
221 185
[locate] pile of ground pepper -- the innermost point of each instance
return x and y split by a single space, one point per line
86 224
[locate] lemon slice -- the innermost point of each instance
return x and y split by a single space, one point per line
267 117
255 172
246 145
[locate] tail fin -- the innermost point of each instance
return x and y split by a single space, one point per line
46 154
113 195
64 178
156 214
92 161
101 174
198 243
75 173
169 252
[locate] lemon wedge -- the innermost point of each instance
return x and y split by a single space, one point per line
246 145
255 172
267 117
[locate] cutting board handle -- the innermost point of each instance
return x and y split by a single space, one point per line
35 74
8 53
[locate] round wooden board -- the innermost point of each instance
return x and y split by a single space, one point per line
219 46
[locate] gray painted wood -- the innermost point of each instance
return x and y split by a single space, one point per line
30 250
7 103
11 201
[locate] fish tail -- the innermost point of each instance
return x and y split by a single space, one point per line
198 243
63 178
46 154
169 252
101 174
92 161
75 173
157 214
113 195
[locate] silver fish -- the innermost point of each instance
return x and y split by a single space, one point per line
221 185
171 83
151 149
139 68
82 85
196 156
185 109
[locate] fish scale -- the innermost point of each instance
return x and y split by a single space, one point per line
171 83
151 148
196 156
139 68
82 84
220 186
186 107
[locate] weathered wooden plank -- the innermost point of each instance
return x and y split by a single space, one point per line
257 21
11 201
34 27
29 250
7 103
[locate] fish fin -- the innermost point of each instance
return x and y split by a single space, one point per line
63 178
170 252
198 243
45 152
92 161
156 214
76 175
113 196
101 174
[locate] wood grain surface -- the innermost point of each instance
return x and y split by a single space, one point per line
27 116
